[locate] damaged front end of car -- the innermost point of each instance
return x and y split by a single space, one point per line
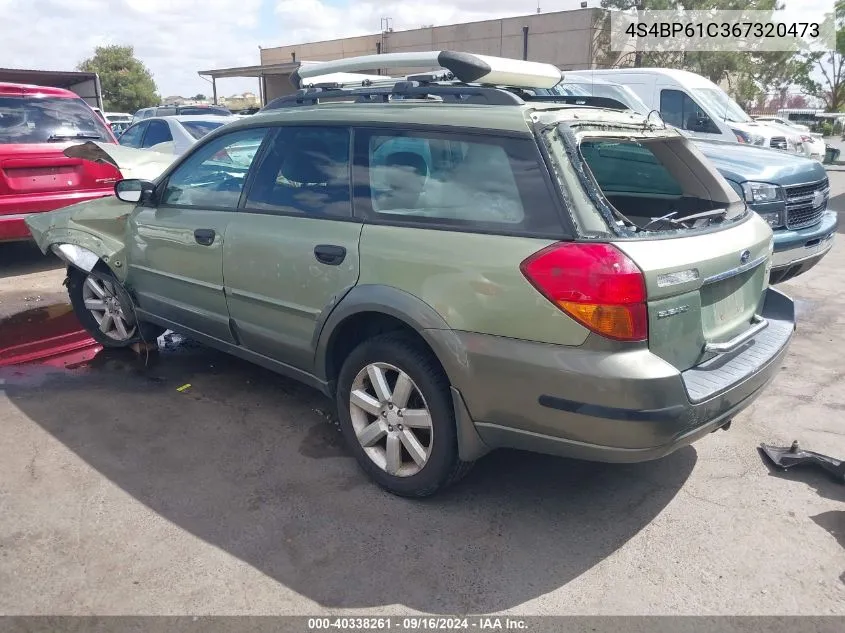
83 234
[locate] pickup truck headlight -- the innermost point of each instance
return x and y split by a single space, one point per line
763 198
757 192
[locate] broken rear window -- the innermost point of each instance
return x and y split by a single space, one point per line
644 182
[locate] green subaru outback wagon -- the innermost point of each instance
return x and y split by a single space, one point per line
460 267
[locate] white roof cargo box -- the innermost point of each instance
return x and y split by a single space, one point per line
466 68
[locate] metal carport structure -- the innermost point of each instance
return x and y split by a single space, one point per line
273 79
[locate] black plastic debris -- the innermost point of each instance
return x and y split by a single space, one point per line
787 457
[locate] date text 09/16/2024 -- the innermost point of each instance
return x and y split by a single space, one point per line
416 624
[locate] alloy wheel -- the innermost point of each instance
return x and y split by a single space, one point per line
391 419
101 300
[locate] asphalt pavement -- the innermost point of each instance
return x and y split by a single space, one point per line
194 483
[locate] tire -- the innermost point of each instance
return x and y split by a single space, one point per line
120 304
393 355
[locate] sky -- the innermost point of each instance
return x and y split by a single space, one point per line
177 38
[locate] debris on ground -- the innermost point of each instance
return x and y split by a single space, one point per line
787 457
144 347
183 387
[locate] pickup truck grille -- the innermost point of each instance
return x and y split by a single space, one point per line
778 142
805 204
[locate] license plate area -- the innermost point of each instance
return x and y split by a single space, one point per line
728 305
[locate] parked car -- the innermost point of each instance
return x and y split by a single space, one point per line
694 103
789 191
492 275
812 145
119 127
202 110
768 119
118 117
37 123
171 134
118 121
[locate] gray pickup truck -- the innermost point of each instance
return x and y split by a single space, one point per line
790 192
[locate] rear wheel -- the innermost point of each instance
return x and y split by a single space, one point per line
105 310
395 411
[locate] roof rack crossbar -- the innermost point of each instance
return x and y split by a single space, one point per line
402 89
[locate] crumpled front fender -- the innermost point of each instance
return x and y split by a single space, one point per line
97 226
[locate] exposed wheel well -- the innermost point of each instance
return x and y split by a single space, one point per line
356 329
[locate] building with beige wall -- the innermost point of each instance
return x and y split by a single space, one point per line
571 40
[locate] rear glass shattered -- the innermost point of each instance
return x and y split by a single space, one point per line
640 181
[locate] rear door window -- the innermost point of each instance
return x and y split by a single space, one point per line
48 120
454 180
157 132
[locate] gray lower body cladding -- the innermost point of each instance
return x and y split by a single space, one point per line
598 403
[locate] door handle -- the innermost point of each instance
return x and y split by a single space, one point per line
205 237
330 254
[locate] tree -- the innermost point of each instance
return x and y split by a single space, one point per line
797 101
199 97
127 84
830 66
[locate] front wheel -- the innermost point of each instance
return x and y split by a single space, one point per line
395 411
105 309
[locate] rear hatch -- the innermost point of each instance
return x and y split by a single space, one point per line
702 289
703 256
34 132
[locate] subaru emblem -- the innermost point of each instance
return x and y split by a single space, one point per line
746 255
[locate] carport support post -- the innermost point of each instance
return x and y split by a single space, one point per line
214 89
525 43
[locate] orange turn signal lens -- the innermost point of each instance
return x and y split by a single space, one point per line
621 322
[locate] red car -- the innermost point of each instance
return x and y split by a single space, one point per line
37 124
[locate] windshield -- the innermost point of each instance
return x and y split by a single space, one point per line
719 105
623 94
198 129
45 119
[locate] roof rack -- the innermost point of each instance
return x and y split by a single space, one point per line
464 67
397 90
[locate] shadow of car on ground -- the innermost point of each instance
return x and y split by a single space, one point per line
247 461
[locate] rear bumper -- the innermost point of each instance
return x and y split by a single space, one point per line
796 252
15 209
612 406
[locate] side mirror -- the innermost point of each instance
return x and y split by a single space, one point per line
133 190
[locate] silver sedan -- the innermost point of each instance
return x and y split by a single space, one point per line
171 134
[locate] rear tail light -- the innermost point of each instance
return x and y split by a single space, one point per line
595 284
